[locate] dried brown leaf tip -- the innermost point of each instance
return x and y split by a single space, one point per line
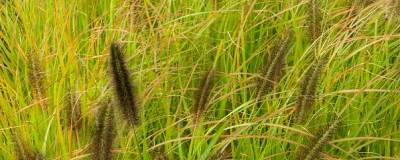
73 111
273 69
104 134
314 19
36 78
314 148
308 90
123 87
203 94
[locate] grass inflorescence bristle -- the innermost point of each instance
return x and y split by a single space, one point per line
123 87
308 89
314 19
104 133
273 69
36 78
203 94
73 110
23 150
313 149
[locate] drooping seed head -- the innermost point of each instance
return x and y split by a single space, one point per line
274 67
314 19
73 111
108 134
123 87
202 94
308 90
104 133
313 149
23 150
36 78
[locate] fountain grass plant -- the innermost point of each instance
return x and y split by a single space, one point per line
45 46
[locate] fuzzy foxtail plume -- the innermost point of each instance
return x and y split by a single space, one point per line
104 134
315 19
36 78
306 99
73 109
273 69
123 87
202 95
313 150
24 151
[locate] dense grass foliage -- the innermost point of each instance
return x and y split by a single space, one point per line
200 79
